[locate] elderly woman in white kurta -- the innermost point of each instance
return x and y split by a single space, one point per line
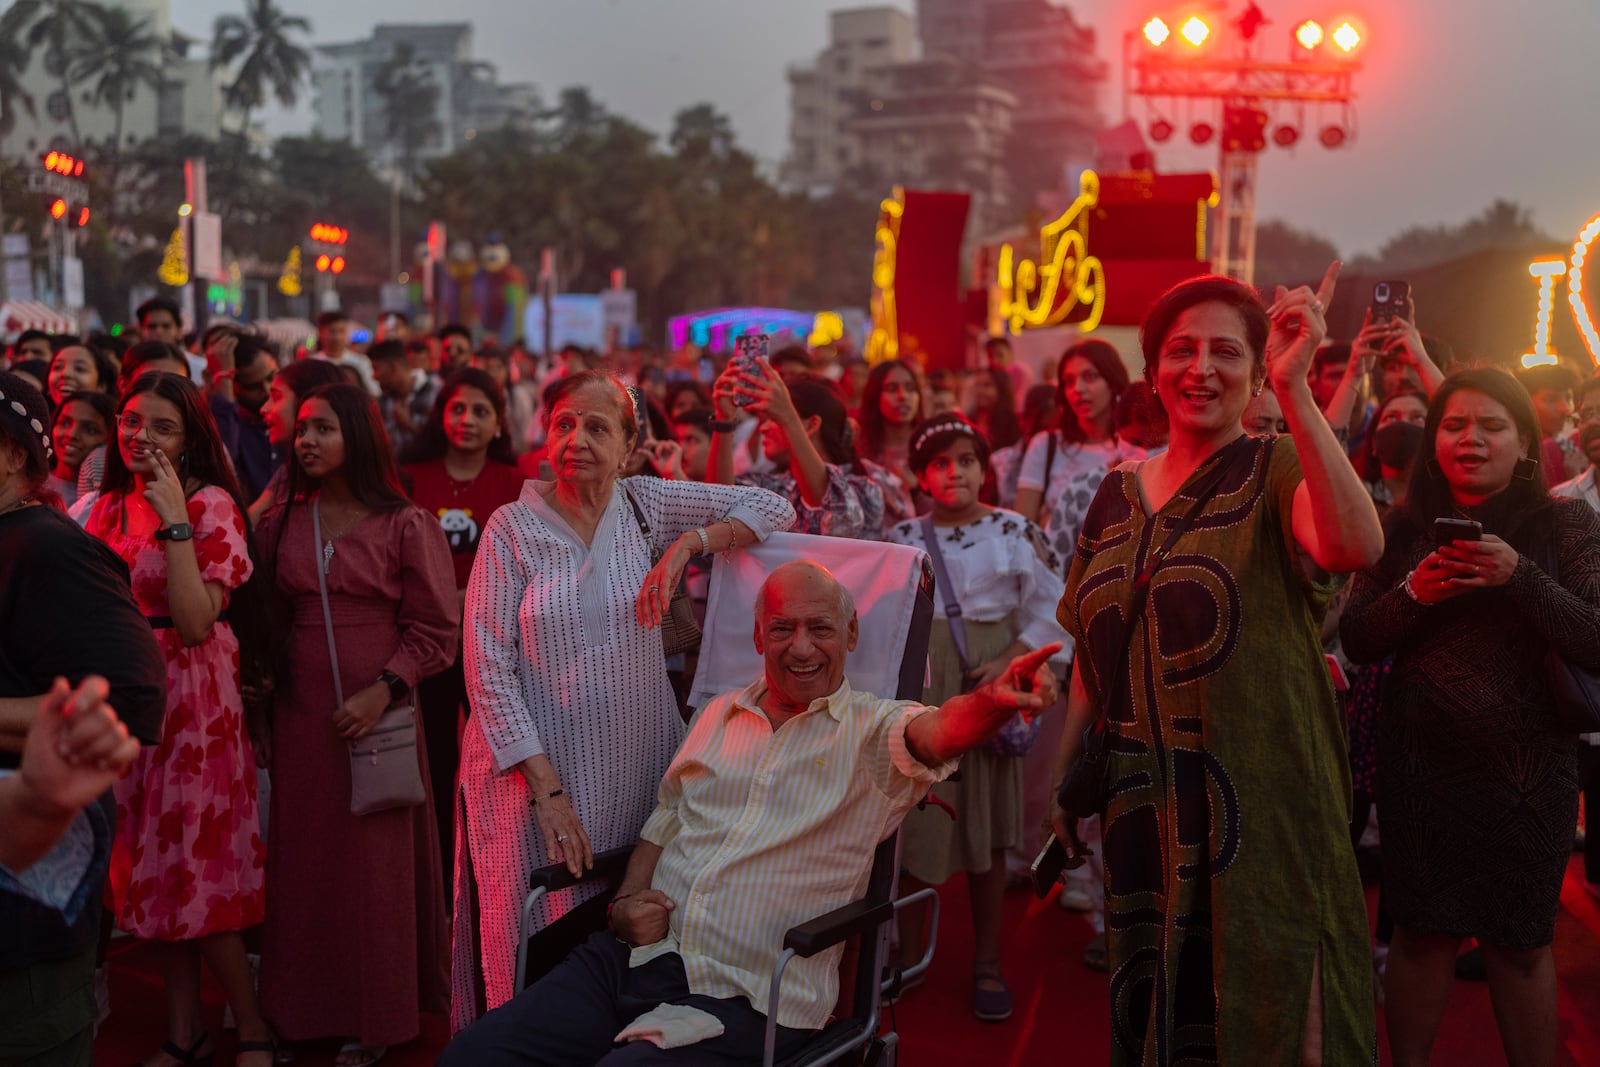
573 718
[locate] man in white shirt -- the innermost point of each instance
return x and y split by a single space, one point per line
1583 488
333 345
768 816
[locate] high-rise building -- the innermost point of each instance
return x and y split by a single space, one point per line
1044 56
348 106
188 101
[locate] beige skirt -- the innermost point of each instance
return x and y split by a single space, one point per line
988 797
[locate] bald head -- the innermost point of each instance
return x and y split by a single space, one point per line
805 628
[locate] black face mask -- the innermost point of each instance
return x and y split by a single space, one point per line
1397 444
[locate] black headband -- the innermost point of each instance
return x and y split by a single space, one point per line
26 418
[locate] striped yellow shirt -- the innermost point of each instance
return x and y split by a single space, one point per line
761 831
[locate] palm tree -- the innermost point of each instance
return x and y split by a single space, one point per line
14 59
259 41
410 106
123 55
60 27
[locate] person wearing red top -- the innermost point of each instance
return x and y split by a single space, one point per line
460 469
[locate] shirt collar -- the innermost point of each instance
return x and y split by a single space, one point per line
749 699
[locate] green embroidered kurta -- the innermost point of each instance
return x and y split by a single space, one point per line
1229 867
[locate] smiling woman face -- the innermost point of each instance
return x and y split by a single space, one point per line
79 430
72 371
148 424
1477 446
1206 371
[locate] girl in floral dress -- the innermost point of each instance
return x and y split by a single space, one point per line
187 868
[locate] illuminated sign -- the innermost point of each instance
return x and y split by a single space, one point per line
1580 308
333 235
1546 270
1066 284
884 340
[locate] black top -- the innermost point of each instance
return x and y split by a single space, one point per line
66 609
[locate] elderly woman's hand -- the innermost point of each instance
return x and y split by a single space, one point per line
1298 327
662 582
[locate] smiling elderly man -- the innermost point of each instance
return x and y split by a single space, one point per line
768 816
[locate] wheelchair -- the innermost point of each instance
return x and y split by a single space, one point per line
893 587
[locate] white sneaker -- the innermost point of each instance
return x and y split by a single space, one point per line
1075 897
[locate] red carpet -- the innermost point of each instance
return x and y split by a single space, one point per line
1061 1006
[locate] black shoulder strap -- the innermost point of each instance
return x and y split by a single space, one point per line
638 515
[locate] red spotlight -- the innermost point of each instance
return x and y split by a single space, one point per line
1285 136
58 209
338 265
1202 132
83 217
323 261
1161 130
1333 136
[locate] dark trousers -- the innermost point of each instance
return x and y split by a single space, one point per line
570 1017
1589 779
442 697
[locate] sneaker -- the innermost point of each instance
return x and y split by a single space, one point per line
1075 896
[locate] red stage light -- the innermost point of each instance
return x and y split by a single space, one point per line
1333 136
1161 130
1285 136
1202 132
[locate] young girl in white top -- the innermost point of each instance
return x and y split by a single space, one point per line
1007 584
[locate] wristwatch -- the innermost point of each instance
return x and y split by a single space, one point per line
178 531
398 689
722 425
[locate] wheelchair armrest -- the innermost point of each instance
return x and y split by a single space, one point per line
825 931
608 866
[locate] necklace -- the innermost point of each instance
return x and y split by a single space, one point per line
331 537
16 505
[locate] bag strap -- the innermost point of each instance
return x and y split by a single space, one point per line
322 587
947 596
638 515
1049 465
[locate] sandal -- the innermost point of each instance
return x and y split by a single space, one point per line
991 997
268 1046
190 1057
363 1055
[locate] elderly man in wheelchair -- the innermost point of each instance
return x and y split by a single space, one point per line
769 814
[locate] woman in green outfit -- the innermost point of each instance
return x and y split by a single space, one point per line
1236 923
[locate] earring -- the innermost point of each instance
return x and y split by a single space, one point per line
1526 470
1257 390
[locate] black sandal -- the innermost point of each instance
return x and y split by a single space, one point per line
191 1056
268 1046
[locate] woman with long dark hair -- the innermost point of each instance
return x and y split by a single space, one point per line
187 866
354 943
992 407
278 416
891 407
1470 753
83 422
806 435
461 470
1063 468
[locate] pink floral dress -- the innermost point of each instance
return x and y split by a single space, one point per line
188 859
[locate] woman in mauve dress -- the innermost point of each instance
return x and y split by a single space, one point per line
355 937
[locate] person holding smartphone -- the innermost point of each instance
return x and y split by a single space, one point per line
1477 780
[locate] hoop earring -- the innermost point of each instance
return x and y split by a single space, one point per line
1526 470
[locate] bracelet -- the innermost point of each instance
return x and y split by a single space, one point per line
705 541
1406 588
221 374
618 899
733 536
722 425
536 797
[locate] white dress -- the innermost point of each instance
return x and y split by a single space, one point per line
556 663
1075 477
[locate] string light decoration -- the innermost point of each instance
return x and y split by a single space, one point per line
1580 308
1065 279
1546 271
174 269
884 340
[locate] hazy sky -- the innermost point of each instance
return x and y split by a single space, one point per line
1460 101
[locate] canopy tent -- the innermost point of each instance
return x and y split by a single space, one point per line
19 315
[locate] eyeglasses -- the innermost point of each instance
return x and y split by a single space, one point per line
164 430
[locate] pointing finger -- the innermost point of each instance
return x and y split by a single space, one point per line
1330 281
1029 662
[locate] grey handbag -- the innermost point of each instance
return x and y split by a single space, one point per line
384 770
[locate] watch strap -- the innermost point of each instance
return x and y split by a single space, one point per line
178 531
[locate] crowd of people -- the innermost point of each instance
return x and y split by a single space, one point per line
1226 547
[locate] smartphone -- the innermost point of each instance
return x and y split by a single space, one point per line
747 350
1341 680
1448 531
1048 867
1390 301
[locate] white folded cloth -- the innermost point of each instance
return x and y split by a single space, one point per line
672 1026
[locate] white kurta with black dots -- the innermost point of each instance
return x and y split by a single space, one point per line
556 663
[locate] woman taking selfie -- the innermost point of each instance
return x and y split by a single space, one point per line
354 943
1236 925
461 470
186 869
1483 575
